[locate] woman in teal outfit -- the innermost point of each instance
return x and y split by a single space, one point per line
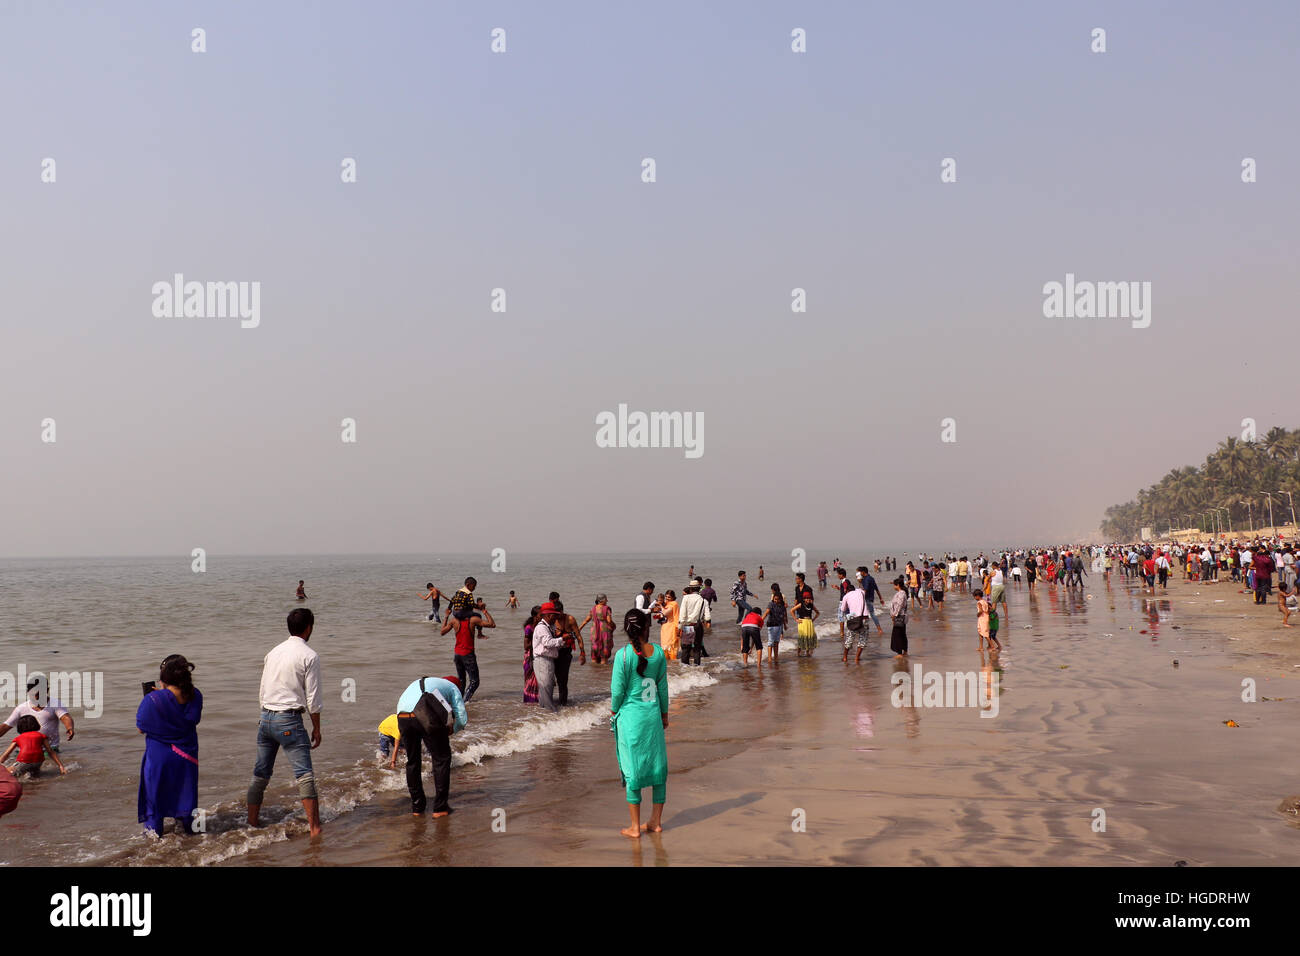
639 702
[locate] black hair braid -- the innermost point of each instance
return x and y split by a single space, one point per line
634 624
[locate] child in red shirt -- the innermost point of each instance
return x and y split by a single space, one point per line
751 626
32 748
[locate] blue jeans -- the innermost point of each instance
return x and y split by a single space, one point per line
276 730
871 613
742 608
467 671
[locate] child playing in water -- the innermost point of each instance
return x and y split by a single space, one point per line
390 739
436 596
751 629
513 602
32 748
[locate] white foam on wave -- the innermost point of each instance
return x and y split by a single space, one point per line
536 730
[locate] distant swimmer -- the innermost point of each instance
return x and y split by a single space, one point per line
302 591
513 601
435 596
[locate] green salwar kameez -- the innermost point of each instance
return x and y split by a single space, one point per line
640 703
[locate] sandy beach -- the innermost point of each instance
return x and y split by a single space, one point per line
1108 701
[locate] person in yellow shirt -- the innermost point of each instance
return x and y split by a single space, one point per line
390 739
914 584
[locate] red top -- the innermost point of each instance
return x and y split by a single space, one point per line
31 747
752 619
464 638
1149 566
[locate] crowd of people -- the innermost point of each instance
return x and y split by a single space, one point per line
660 628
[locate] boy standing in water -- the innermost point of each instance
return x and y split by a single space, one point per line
302 590
435 596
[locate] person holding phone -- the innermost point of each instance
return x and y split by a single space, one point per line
169 771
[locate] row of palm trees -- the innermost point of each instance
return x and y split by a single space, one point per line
1233 490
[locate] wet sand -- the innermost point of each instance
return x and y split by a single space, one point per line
1093 714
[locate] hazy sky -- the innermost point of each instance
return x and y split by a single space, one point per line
522 170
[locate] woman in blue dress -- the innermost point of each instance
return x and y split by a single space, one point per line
169 772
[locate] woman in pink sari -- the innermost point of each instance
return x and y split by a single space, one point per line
530 679
602 630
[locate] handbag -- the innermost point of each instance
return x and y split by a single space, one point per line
858 622
432 712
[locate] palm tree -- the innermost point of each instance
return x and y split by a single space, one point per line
1275 443
1231 463
1232 472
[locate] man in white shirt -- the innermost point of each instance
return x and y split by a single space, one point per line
646 605
693 612
48 713
1162 569
546 648
853 607
290 687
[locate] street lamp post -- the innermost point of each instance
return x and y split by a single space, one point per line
1269 495
1291 502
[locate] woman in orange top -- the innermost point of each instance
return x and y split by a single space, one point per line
668 638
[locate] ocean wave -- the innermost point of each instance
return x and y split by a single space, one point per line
540 729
